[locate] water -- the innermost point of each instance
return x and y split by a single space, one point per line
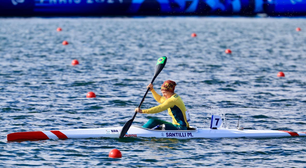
40 90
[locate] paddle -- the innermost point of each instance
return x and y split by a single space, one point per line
161 62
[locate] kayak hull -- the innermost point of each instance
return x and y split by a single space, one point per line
114 132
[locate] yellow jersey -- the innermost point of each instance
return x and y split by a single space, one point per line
175 105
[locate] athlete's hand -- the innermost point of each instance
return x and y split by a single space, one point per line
150 86
138 110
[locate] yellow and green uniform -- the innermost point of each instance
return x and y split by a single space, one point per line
176 109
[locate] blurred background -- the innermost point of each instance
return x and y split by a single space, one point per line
151 7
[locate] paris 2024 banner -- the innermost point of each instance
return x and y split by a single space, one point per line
151 7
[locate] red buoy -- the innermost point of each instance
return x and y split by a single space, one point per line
193 35
115 153
228 51
75 62
280 74
65 43
59 29
91 95
298 29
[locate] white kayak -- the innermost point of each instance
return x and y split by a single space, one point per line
215 131
134 131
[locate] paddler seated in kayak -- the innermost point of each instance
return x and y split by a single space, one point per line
172 102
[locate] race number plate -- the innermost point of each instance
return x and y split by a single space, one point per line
216 121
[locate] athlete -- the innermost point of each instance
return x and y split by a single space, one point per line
172 102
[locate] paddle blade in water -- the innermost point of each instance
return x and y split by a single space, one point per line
125 128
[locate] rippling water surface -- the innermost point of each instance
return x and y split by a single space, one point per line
40 90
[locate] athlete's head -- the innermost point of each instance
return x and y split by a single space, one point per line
169 86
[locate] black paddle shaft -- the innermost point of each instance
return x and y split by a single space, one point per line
143 98
161 62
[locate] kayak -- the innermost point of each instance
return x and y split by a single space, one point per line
214 131
135 131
